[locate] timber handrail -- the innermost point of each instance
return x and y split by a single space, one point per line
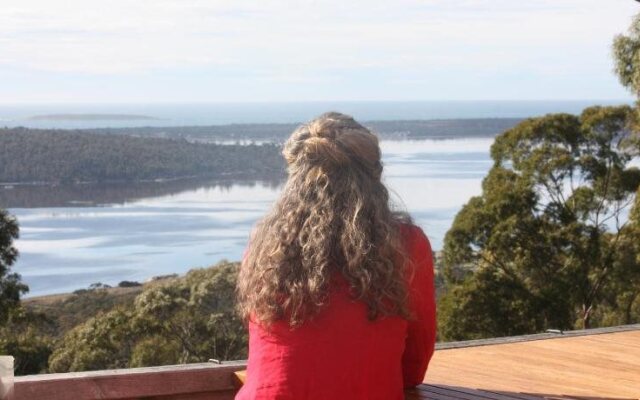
211 381
192 381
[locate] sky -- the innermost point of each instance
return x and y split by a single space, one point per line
147 51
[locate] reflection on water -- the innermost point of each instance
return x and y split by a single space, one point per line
74 236
89 195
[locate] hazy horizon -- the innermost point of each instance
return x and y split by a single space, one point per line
193 51
224 113
621 99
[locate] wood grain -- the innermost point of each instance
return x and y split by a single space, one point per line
178 382
603 366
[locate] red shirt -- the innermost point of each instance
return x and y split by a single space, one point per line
340 354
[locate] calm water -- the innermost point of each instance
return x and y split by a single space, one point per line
72 237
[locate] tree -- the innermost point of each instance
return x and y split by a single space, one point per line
626 55
550 225
182 320
102 342
27 336
23 334
622 294
197 313
11 288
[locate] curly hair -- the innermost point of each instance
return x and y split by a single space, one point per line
333 216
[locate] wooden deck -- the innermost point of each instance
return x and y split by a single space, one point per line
601 364
582 365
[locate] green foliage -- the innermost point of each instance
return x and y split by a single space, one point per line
547 244
28 155
129 284
489 304
626 55
198 313
11 288
154 350
102 342
28 336
82 305
622 292
184 320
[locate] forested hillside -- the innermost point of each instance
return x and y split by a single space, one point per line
56 156
416 129
178 320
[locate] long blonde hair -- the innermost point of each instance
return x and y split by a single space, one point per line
333 216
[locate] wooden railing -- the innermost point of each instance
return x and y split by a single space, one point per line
213 381
173 382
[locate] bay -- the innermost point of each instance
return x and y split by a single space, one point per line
74 236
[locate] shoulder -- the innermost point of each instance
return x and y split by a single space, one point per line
414 236
419 253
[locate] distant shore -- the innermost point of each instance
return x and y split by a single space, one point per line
274 112
92 117
435 129
48 299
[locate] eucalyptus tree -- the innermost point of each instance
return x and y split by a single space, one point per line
11 287
541 245
626 56
183 320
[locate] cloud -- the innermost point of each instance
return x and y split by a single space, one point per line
115 37
246 49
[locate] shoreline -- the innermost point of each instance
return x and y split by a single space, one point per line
222 178
46 299
415 128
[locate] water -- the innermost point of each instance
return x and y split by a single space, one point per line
72 237
228 113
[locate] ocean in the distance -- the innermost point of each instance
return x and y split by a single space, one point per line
229 113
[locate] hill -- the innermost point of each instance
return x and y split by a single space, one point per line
414 129
57 156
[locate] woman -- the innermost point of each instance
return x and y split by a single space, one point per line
337 289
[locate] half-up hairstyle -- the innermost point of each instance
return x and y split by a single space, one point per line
333 217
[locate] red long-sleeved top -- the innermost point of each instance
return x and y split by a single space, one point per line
340 354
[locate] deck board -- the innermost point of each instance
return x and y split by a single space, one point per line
439 392
475 394
594 367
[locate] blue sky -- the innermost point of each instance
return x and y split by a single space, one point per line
87 51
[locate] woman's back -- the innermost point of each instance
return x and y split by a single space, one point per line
341 353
